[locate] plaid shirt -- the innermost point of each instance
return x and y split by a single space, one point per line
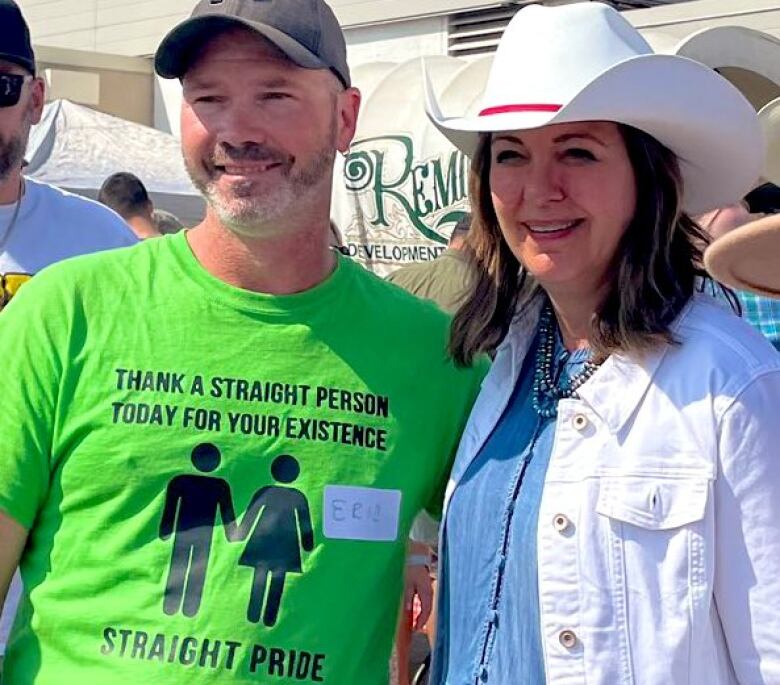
763 313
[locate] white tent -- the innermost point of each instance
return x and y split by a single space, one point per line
76 148
404 185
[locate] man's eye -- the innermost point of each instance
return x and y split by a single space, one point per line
276 96
208 99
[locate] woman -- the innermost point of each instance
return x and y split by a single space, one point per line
613 510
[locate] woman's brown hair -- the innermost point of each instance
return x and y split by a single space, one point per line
653 274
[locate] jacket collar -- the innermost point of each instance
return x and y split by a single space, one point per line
624 378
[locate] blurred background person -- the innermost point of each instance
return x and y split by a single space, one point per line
446 279
127 196
760 311
166 223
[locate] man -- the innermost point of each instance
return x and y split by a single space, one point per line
165 222
127 196
291 349
39 224
445 280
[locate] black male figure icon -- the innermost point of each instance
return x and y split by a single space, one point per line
278 525
191 505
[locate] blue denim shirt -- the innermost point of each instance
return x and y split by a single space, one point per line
488 628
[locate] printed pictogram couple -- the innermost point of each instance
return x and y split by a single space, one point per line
275 527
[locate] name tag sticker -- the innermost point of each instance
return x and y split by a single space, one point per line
352 513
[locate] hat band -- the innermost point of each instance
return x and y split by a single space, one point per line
505 109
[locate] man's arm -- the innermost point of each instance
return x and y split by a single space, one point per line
12 540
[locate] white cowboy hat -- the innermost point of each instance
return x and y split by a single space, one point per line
585 62
769 116
748 258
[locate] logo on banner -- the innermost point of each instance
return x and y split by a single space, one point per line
402 198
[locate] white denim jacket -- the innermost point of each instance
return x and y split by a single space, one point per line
659 526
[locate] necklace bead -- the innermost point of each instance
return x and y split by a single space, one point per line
546 392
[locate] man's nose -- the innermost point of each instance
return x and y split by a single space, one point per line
242 126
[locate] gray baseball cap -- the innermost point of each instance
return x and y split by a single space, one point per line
307 31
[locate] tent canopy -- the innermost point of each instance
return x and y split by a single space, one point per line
76 148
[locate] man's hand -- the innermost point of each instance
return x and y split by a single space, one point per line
13 537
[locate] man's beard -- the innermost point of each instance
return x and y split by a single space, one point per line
247 208
11 154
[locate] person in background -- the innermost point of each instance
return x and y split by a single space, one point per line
612 515
166 223
760 311
446 279
132 463
127 196
39 224
748 258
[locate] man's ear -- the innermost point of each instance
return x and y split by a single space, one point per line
348 110
37 98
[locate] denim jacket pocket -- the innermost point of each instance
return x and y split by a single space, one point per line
653 503
655 532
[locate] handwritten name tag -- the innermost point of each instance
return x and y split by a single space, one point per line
353 513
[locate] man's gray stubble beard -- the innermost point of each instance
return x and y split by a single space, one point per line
257 212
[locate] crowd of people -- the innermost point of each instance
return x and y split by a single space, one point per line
231 452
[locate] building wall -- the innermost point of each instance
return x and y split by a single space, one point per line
682 19
388 42
117 85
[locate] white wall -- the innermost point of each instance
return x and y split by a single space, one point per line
397 41
682 19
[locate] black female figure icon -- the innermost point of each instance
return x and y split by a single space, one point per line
277 525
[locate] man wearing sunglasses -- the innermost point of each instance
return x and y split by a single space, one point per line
39 224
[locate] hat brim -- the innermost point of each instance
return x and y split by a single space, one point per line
748 258
769 116
20 61
684 105
181 47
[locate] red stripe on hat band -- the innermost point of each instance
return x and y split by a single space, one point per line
504 109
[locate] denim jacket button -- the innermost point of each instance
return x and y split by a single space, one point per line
580 422
568 639
561 523
483 674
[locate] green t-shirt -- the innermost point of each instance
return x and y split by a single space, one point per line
219 484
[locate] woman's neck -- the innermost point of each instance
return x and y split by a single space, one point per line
574 312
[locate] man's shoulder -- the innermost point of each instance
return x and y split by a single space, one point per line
86 218
397 301
414 273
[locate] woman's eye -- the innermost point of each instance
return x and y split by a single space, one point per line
508 156
206 99
580 153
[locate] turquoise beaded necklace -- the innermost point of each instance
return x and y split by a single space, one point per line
546 392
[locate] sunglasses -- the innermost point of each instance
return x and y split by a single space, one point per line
11 88
9 286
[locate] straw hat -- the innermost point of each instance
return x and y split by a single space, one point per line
585 62
748 258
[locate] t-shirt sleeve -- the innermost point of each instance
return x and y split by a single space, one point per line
471 385
32 328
